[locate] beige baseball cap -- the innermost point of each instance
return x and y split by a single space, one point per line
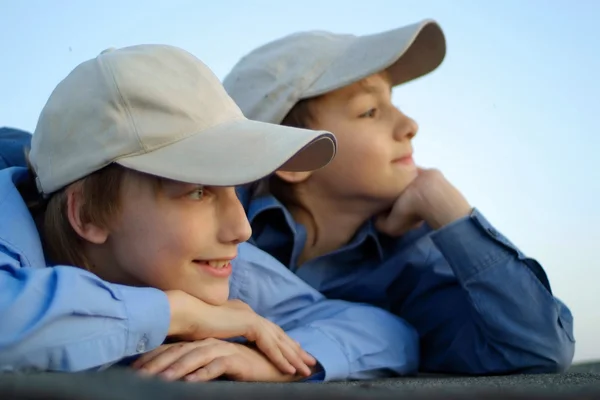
270 80
157 109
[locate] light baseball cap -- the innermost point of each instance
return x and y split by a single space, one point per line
157 109
270 80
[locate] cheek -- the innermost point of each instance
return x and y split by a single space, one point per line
361 156
155 250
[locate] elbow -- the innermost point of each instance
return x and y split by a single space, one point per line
559 353
560 360
556 358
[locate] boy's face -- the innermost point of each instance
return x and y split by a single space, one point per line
374 157
179 236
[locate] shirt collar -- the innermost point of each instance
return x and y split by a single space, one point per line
258 204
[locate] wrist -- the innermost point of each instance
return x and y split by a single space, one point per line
445 206
181 323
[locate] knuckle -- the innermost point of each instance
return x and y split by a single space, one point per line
177 347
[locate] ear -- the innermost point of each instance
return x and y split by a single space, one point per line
293 177
86 230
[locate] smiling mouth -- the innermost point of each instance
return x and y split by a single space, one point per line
217 268
218 264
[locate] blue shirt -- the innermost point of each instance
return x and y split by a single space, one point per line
12 147
479 304
62 318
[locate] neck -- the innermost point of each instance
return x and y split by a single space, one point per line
330 223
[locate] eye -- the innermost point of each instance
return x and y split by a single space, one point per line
197 193
369 114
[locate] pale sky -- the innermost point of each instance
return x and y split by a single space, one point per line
510 116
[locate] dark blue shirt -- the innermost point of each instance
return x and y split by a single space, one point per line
479 304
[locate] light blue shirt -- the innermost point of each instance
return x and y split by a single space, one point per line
63 318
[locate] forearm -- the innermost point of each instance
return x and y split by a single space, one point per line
354 341
514 319
67 319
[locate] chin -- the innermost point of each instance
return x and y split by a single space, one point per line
215 299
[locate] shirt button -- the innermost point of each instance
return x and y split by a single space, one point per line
141 346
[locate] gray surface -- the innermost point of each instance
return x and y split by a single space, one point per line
583 381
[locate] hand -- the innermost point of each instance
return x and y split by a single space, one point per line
430 198
192 319
209 359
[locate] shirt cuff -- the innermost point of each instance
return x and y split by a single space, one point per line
471 245
326 350
148 316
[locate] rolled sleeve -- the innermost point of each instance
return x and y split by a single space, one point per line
472 244
149 316
325 349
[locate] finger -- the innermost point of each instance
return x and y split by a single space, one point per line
269 345
210 371
306 357
189 362
146 357
161 361
294 356
293 352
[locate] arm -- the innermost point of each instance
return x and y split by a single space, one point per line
480 305
67 319
350 341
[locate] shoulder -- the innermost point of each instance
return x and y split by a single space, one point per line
13 143
18 233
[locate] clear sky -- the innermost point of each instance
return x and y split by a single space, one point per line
511 116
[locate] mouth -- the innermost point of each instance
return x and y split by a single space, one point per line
404 160
218 268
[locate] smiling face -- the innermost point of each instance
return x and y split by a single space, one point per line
172 236
374 157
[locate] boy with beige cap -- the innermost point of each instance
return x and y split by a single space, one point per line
372 226
126 229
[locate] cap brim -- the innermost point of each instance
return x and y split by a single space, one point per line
237 153
407 53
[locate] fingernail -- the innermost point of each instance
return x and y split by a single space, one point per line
167 374
143 372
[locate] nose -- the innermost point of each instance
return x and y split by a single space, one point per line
405 128
233 223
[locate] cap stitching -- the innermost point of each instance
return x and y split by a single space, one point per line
125 105
290 103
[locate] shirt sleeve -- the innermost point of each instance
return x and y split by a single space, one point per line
67 319
349 340
481 306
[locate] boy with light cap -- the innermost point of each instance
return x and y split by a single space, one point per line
373 227
126 229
